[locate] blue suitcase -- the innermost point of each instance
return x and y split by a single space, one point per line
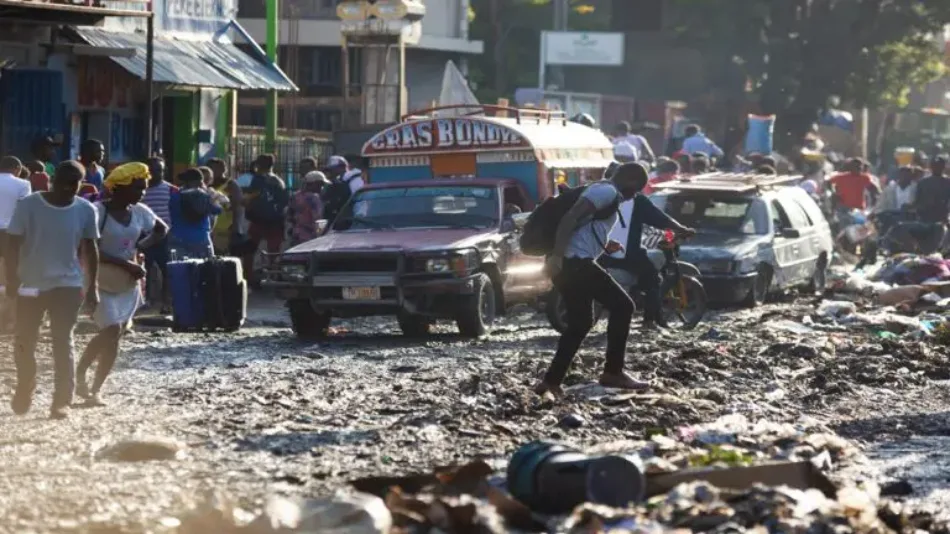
188 302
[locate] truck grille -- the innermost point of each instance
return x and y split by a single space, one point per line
354 264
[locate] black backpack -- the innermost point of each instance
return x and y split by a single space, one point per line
338 194
268 207
539 232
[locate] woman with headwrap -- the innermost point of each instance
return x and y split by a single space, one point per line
122 223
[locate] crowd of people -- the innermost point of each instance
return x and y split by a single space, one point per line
77 238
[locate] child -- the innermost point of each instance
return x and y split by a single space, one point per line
46 233
39 179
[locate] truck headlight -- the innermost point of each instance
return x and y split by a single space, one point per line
438 265
716 266
746 264
293 272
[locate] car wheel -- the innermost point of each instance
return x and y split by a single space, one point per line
760 287
307 323
819 280
476 313
414 325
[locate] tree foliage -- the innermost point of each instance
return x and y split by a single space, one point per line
798 54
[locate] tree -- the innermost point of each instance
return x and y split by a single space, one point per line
798 54
511 30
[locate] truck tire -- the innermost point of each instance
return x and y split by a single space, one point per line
557 313
307 323
414 325
761 287
476 313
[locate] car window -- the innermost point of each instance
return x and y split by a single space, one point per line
795 213
727 213
811 208
420 207
779 218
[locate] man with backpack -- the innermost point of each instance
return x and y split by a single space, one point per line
581 221
267 199
344 181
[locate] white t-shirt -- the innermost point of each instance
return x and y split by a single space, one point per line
590 237
354 178
620 232
12 189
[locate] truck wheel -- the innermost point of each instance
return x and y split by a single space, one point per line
307 323
819 281
414 325
760 287
476 313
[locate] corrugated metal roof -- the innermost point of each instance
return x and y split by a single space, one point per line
199 64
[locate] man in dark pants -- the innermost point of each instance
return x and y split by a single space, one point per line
580 240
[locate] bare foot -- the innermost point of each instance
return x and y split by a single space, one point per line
622 381
544 389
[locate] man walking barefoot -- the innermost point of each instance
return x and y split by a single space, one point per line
580 240
47 230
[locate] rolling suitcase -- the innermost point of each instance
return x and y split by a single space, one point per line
188 306
225 294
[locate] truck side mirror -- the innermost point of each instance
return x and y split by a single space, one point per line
322 225
520 219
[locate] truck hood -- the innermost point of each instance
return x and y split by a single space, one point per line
713 246
421 240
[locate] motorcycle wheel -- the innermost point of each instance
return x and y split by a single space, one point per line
685 304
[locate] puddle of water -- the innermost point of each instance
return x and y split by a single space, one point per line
922 461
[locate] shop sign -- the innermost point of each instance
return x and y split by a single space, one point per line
583 48
205 17
445 135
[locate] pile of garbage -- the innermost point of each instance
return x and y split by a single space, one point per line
731 475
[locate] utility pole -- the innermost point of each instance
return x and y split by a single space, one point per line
150 83
561 10
273 27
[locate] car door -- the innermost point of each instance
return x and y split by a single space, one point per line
783 246
802 260
524 276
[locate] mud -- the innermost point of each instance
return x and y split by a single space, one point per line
259 413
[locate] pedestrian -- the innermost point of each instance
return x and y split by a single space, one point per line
900 193
123 220
850 186
266 204
12 189
44 239
191 209
44 150
697 142
623 133
229 228
39 179
157 198
91 154
699 163
582 237
306 166
685 161
344 181
667 170
306 208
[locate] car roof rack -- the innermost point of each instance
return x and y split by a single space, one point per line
729 182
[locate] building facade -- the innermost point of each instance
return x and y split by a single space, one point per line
310 53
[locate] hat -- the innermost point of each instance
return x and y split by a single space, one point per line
314 177
335 162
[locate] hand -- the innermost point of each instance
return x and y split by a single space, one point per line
137 271
553 265
613 246
92 299
686 232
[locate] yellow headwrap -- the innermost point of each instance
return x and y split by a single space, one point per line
126 174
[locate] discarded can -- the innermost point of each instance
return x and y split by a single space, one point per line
554 478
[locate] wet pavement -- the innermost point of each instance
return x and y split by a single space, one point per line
258 412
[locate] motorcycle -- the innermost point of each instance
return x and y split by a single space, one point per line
683 297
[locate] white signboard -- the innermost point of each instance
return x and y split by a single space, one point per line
583 48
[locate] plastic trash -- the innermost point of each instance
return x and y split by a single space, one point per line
836 309
356 513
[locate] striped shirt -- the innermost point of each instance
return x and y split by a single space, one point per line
157 197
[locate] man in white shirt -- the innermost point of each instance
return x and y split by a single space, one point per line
623 135
12 189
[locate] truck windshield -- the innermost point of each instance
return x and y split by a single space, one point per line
421 207
728 214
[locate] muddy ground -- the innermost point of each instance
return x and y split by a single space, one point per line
262 413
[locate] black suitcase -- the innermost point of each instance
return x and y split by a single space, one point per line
225 294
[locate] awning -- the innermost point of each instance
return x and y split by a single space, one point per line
191 63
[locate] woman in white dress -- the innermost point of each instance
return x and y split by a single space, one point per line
123 222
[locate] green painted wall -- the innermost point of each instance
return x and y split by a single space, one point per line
186 126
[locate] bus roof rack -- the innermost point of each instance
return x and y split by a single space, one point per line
536 115
729 182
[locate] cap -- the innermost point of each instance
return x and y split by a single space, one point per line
314 177
335 162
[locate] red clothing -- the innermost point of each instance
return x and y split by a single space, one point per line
39 181
659 179
850 188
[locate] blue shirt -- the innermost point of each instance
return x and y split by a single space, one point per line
95 176
701 143
188 231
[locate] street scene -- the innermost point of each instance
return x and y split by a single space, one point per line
399 266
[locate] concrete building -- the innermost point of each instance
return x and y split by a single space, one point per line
310 53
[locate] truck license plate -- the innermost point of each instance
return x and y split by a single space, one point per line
360 293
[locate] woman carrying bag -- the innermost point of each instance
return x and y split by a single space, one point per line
122 223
